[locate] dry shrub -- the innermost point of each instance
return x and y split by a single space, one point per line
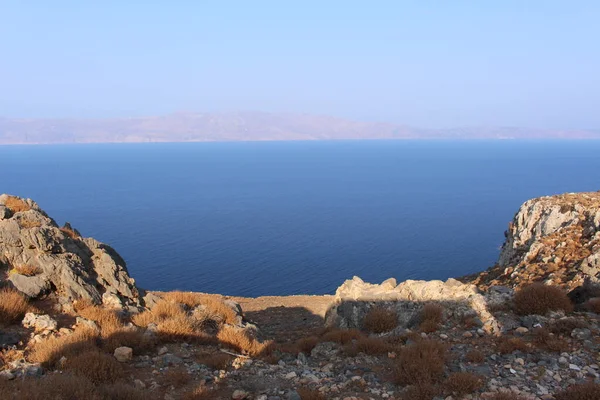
538 298
69 232
162 311
305 345
544 339
27 270
122 391
241 341
341 336
28 223
181 328
367 345
475 356
507 345
16 204
593 305
429 326
49 351
202 392
432 312
176 377
380 320
214 306
306 393
420 392
51 386
462 383
420 363
133 338
469 322
565 326
218 361
108 320
582 391
13 306
10 355
94 365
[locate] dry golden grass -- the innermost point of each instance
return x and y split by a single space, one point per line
341 336
27 270
10 355
13 306
582 391
28 223
420 363
508 344
202 392
94 365
306 393
16 204
593 305
176 377
69 232
380 320
475 356
108 320
239 340
538 298
218 361
462 383
49 351
162 311
215 307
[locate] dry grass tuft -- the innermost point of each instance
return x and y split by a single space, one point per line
305 345
94 365
28 223
69 232
420 363
218 361
341 336
380 320
538 298
508 344
16 204
49 351
108 320
27 270
214 306
239 340
10 355
306 393
475 356
202 392
462 383
176 377
582 391
13 306
593 305
52 386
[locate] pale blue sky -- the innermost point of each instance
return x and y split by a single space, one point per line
421 63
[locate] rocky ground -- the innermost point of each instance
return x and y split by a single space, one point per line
491 336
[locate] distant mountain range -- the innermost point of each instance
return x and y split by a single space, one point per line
251 126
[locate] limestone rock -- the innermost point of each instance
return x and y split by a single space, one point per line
40 323
123 354
70 265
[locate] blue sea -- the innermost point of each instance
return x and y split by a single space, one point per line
281 218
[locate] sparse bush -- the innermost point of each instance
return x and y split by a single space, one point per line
94 365
13 306
538 298
544 339
306 393
241 341
475 356
462 383
29 223
69 232
507 345
16 205
367 345
593 305
421 392
342 336
176 377
420 363
214 306
565 326
305 345
27 270
582 391
432 312
218 361
380 320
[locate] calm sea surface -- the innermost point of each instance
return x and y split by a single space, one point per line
296 217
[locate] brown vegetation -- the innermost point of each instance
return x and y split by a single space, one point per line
16 204
27 270
341 336
240 341
506 396
13 306
69 232
582 391
28 223
306 393
50 350
508 344
94 365
176 377
214 305
218 361
108 320
538 298
475 356
420 363
52 386
593 305
462 383
546 340
367 345
421 392
380 320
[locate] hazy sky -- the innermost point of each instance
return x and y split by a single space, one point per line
422 63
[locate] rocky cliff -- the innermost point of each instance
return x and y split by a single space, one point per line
38 257
553 239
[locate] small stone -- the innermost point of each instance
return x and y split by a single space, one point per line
123 354
139 384
467 334
290 375
574 367
239 395
521 330
443 336
163 350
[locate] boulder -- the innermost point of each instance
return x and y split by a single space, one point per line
123 354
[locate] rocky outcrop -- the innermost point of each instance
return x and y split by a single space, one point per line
40 257
554 239
355 298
